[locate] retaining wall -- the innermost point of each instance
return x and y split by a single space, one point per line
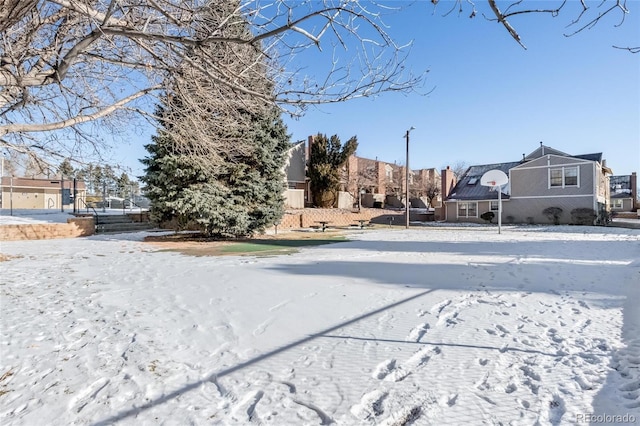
75 227
306 218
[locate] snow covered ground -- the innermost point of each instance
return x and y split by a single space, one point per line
439 325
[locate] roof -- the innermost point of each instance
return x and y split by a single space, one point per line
469 188
546 150
53 183
589 157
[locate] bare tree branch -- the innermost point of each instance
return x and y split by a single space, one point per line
629 49
63 61
503 20
68 62
74 121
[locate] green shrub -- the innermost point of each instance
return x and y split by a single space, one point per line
488 216
583 216
553 213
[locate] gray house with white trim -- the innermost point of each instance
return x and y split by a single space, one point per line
545 178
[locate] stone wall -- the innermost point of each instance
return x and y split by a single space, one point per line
75 227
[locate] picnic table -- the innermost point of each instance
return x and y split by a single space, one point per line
323 223
362 222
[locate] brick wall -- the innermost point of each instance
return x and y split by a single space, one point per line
76 227
306 218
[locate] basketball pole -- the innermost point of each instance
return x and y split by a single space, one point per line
499 210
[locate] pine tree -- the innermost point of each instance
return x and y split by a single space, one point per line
66 169
167 176
241 196
217 160
123 186
327 156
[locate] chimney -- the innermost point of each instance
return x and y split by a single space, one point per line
448 181
308 148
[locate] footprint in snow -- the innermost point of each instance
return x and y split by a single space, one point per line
557 410
88 395
523 403
631 395
511 387
583 304
501 329
262 327
582 381
452 399
630 387
416 361
247 406
439 307
406 416
371 405
325 419
383 369
417 332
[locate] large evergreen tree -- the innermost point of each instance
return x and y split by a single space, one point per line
217 160
327 156
240 196
66 169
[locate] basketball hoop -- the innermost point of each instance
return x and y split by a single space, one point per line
496 179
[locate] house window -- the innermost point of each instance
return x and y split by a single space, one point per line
493 206
555 177
616 204
563 176
467 209
570 176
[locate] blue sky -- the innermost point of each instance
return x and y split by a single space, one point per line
489 99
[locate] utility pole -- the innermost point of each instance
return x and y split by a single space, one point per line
406 181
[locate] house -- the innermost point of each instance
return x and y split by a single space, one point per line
27 193
623 193
467 199
545 178
375 182
294 170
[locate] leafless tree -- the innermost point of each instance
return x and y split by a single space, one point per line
459 168
582 14
431 191
73 70
365 178
69 65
